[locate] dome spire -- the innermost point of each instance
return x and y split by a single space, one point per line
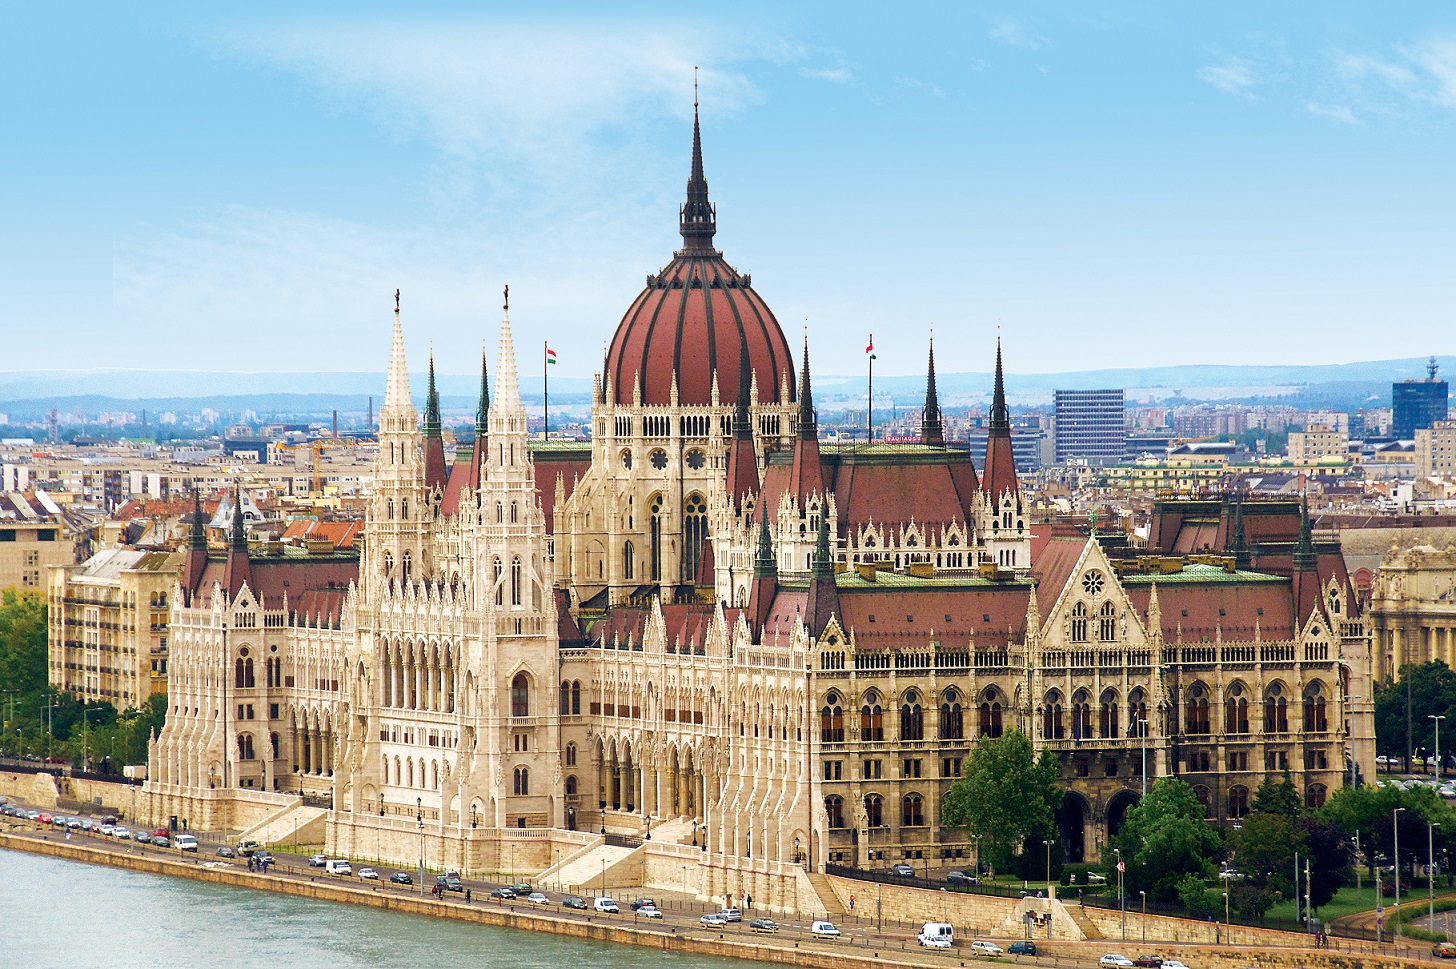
697 218
932 424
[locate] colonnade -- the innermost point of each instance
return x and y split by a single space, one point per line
418 677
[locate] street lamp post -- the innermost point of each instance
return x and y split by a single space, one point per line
1395 825
1227 928
1431 827
420 822
1121 898
1145 913
1048 843
1143 739
1438 717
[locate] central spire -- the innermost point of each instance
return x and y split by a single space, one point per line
697 218
1000 415
932 425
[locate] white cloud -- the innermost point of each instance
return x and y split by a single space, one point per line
1423 72
916 84
842 74
1232 75
1334 112
1018 33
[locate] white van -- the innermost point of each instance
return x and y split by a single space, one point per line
185 842
338 866
606 905
937 935
824 930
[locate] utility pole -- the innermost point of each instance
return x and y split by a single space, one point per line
1431 827
1395 824
1438 718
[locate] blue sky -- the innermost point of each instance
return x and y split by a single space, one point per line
243 187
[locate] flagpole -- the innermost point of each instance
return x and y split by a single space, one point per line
545 397
870 407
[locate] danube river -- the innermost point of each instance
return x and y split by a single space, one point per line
69 915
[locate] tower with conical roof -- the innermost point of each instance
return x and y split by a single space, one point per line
398 545
823 601
435 471
932 422
1002 527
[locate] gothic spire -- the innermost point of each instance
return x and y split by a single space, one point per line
823 600
432 404
808 421
397 401
1000 415
932 424
1304 554
765 578
697 218
1238 542
482 409
998 474
764 562
198 538
239 538
507 386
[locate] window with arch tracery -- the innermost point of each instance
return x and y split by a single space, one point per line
499 572
695 536
521 781
576 698
515 581
874 810
871 720
1276 710
520 696
1195 710
654 539
834 808
1079 623
831 721
628 565
1315 720
1107 622
1236 710
912 814
1051 726
1107 714
952 717
912 718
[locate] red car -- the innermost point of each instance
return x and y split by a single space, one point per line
46 818
1148 962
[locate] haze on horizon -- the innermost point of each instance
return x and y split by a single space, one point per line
1127 186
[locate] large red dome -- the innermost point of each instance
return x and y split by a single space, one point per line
697 317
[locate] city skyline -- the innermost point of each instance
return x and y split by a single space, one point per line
189 190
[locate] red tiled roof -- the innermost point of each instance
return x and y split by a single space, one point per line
994 615
1233 604
1053 567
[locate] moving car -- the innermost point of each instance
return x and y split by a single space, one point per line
124 833
1022 947
142 838
247 848
162 842
713 919
266 857
983 948
401 878
731 915
1147 962
650 912
369 873
503 894
824 930
1444 950
226 851
960 878
449 882
643 903
538 898
1114 961
520 888
903 870
338 866
318 860
574 901
606 905
1173 964
763 925
936 935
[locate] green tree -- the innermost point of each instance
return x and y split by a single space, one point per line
1194 894
1278 797
22 642
1264 850
1432 692
1006 794
1369 813
1164 839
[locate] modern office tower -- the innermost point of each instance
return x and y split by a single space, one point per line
1091 425
1417 403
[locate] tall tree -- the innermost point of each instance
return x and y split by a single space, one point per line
1164 839
1430 689
22 642
1007 794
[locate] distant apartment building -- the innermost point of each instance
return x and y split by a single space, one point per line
1418 403
108 625
1091 425
32 537
1435 450
1332 419
1318 442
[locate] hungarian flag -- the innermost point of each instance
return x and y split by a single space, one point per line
871 348
550 355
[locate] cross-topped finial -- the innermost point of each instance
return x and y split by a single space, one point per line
507 294
695 87
396 300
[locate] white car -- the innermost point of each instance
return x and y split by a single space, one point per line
1114 961
935 941
538 898
713 919
650 912
984 948
1173 964
824 930
369 873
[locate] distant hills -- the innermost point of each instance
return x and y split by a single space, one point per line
29 395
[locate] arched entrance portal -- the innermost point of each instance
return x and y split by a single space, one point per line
1117 809
1072 823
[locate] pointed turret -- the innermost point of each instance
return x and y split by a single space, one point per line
823 602
765 579
238 570
808 471
1238 544
697 218
482 425
435 470
397 401
1306 575
196 546
932 422
999 473
742 456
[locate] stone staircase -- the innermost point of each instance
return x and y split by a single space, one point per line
299 824
1088 927
676 831
829 904
584 872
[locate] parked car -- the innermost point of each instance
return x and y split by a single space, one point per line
960 878
824 930
903 870
449 882
266 857
983 948
1173 964
107 829
641 903
713 919
1114 961
731 915
401 878
1022 947
606 905
162 842
1148 962
574 901
763 925
520 888
650 912
538 898
142 838
121 833
369 873
502 894
936 935
318 860
226 851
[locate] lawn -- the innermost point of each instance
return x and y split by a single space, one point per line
1347 901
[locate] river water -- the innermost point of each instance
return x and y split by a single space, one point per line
57 914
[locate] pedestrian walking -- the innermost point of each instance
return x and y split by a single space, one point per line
467 895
